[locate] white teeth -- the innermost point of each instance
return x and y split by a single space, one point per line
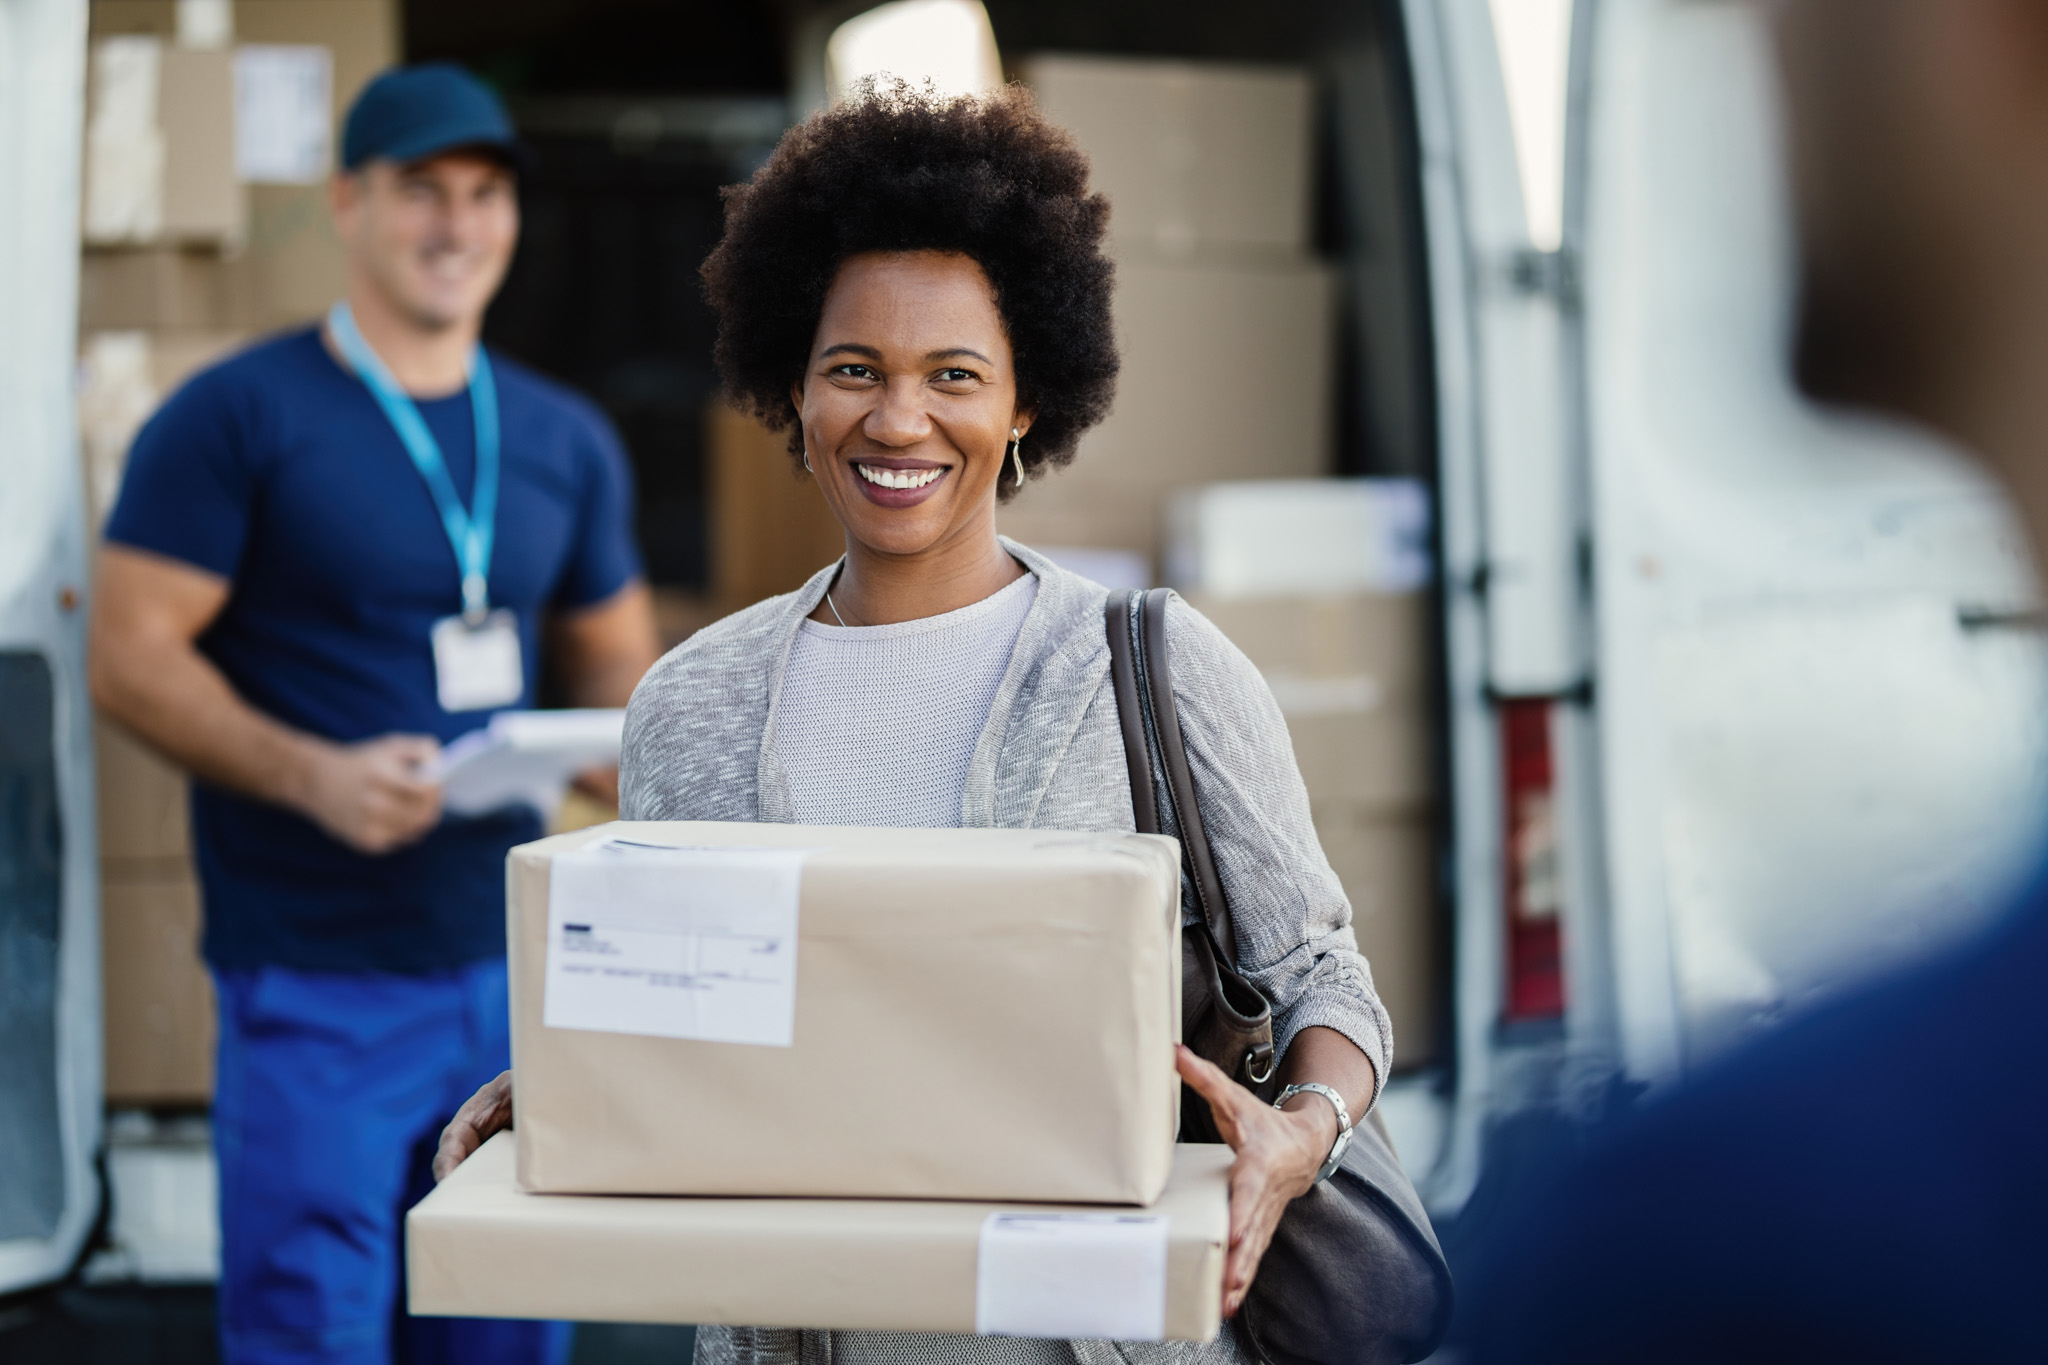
898 478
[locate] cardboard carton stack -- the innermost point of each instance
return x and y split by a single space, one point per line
782 1075
1323 584
1225 320
209 137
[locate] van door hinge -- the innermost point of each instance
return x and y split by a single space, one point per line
1555 273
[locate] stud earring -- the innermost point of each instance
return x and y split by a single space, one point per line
1016 455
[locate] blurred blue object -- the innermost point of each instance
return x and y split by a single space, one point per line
1812 1198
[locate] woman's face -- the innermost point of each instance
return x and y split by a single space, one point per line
909 400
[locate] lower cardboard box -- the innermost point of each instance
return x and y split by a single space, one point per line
479 1246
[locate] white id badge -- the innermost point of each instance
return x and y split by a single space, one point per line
477 667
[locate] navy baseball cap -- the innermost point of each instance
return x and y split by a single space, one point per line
413 112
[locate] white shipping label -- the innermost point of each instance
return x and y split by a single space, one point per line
1087 1276
283 113
674 942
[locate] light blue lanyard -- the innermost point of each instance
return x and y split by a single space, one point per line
469 532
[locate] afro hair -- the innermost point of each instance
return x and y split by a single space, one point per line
900 169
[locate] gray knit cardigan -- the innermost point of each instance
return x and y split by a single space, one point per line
700 745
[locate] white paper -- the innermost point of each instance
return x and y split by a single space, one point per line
526 758
1087 1276
674 942
283 113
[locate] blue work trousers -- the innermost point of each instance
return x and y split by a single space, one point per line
332 1091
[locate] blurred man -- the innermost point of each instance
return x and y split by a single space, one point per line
1869 1184
331 554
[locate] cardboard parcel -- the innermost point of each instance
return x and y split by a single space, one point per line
743 1009
479 1246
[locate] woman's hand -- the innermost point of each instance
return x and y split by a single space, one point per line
486 1112
1278 1155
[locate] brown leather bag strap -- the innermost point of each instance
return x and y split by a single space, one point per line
1231 1022
1156 671
1135 623
1123 675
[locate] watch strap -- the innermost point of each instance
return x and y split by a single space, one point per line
1343 1142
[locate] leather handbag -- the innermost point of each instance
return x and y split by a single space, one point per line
1354 1275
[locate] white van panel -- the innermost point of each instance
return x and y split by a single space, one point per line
1516 328
49 941
1810 765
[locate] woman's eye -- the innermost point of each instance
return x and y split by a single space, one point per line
956 376
854 371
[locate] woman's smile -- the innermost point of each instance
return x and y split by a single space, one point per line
895 482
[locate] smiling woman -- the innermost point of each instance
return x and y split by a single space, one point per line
913 288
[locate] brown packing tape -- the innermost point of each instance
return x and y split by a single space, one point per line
478 1246
1388 867
978 1014
158 998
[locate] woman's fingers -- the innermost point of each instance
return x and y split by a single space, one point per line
1256 1133
1243 1267
481 1115
1254 1211
1224 1095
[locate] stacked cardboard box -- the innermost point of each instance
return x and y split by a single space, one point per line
197 236
984 1015
1341 631
1225 320
480 1246
685 979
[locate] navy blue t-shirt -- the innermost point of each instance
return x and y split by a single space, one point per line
277 470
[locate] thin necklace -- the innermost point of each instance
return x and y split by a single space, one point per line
835 607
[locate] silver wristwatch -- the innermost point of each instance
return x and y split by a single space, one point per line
1343 1121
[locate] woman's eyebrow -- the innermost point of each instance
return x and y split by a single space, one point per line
952 351
851 348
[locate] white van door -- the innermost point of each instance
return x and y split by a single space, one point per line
49 894
1745 697
1820 689
1513 588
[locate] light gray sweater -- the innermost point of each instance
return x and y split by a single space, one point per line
700 745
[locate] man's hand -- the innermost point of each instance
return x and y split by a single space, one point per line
486 1112
373 796
1278 1155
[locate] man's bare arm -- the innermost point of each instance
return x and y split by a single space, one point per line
147 674
601 651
